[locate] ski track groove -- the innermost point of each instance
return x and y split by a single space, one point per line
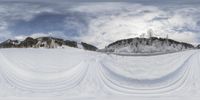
98 75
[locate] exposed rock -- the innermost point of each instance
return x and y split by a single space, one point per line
198 46
70 43
49 42
28 42
88 46
44 42
9 43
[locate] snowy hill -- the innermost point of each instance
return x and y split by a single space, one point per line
45 42
147 45
198 46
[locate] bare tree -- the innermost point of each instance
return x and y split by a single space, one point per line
150 33
167 37
142 35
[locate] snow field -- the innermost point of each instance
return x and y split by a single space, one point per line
74 73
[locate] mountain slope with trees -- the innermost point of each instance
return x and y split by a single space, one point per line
147 45
44 42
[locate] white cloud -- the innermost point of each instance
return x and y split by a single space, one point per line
36 35
9 12
4 33
131 20
108 22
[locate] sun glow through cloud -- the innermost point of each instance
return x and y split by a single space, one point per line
92 23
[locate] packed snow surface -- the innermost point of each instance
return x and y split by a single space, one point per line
73 74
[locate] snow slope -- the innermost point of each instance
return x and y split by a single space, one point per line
72 73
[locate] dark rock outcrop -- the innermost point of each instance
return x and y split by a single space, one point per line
70 43
198 46
88 46
9 44
49 42
28 42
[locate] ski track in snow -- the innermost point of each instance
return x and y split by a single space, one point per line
83 74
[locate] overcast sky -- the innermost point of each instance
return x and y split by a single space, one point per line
99 22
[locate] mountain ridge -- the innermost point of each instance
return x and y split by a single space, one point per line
45 42
147 45
130 45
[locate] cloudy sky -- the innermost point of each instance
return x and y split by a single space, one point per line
99 22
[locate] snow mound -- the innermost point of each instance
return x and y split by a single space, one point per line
72 73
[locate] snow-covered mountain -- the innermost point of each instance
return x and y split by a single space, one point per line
147 45
198 46
9 43
125 46
45 42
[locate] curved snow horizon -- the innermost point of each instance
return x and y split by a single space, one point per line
99 49
75 73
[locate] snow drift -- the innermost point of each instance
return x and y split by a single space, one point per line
72 73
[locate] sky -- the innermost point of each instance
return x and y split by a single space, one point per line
100 22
